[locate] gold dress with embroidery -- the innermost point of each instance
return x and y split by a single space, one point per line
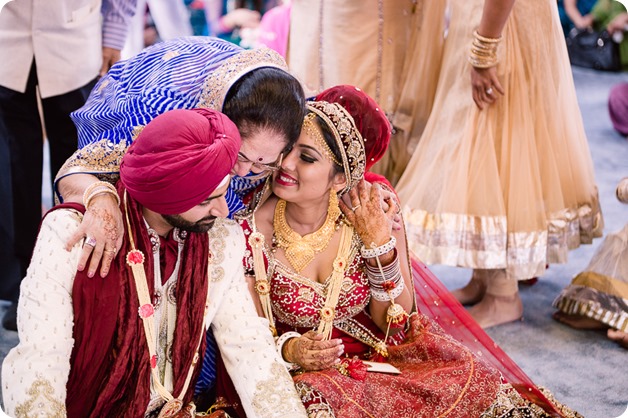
512 186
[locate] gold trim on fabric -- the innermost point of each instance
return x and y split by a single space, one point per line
217 245
101 158
358 331
220 81
568 303
41 401
484 242
273 393
602 283
348 139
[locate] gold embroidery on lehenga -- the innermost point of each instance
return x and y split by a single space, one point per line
217 245
273 392
317 404
509 403
41 401
220 81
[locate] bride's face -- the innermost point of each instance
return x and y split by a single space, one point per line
306 174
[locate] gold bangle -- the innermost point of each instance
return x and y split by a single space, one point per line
485 39
95 185
98 188
98 192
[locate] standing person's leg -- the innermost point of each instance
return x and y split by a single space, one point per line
22 127
9 271
60 130
474 291
501 303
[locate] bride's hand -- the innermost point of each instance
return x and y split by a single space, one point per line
388 198
371 221
311 353
103 229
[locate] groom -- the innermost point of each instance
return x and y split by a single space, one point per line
128 344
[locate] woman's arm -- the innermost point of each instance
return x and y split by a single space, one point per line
580 21
374 226
103 219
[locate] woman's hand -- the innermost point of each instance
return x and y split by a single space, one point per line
311 353
103 229
367 215
584 22
485 86
618 23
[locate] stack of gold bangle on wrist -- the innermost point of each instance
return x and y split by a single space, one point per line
483 53
97 188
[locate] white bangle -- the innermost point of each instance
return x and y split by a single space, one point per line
379 251
281 340
383 296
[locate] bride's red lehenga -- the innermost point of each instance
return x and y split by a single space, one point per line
445 363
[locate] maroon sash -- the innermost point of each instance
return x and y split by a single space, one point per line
110 370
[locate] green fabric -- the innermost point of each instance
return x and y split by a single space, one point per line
603 13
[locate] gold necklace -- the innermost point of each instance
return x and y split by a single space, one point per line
301 250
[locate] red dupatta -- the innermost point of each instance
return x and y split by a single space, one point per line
434 300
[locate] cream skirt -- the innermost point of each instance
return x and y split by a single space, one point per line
511 186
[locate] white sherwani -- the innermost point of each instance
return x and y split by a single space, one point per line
35 372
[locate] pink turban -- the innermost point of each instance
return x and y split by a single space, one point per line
179 159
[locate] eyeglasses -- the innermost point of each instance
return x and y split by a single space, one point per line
264 169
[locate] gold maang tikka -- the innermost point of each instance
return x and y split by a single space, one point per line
310 128
301 250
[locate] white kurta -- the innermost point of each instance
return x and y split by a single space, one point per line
35 372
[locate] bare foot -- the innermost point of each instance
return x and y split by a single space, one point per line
618 336
578 321
472 293
496 310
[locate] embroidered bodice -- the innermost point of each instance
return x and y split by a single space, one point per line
297 300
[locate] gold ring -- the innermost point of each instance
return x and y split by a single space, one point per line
356 207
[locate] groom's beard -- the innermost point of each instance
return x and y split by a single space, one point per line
202 225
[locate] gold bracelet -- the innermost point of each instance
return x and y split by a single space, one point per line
94 185
483 52
485 39
98 188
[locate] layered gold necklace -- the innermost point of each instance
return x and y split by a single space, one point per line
301 250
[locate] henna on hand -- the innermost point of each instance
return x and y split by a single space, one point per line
367 215
311 353
103 223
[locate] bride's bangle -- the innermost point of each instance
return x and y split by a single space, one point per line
279 343
379 251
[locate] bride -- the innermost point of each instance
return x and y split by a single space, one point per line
334 281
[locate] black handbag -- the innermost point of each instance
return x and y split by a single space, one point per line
592 49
